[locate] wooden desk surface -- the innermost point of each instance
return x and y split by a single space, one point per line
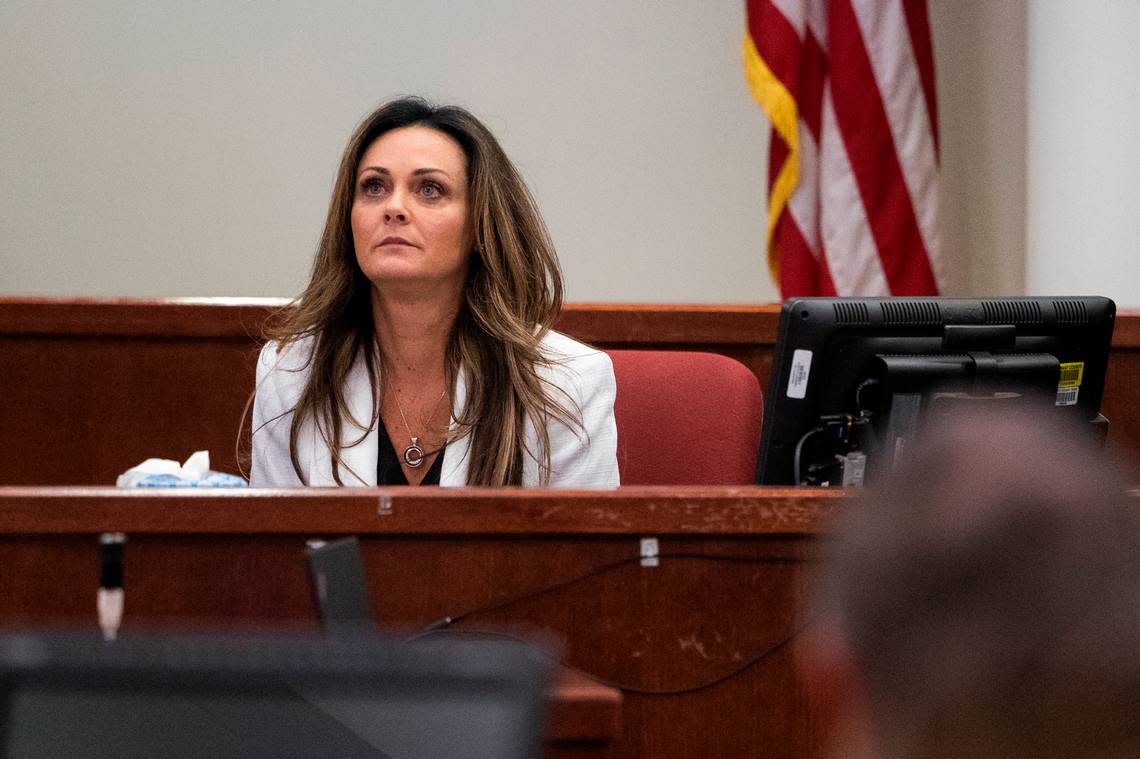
674 510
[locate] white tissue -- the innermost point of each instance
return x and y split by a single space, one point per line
196 466
193 470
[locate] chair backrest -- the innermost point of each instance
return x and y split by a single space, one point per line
686 418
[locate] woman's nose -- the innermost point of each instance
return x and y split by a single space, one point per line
395 210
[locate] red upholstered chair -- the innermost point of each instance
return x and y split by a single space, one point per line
686 418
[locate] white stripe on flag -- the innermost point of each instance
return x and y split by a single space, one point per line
817 21
848 243
793 11
804 203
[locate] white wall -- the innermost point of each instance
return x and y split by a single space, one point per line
157 148
172 148
1084 165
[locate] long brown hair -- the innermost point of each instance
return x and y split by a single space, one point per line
513 294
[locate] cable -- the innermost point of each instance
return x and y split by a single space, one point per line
799 449
846 423
448 620
443 625
623 687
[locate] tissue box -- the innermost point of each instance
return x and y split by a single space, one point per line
165 473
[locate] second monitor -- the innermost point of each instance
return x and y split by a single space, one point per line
853 379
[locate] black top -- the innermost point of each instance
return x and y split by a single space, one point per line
388 471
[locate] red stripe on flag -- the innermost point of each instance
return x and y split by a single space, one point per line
800 272
871 153
918 24
813 73
776 41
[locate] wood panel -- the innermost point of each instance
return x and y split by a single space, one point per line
90 387
701 645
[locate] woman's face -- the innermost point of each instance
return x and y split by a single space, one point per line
409 211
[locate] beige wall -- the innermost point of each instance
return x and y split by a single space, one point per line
154 147
161 148
980 58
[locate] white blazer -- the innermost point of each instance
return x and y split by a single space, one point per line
577 459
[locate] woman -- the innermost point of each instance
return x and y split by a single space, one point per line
421 350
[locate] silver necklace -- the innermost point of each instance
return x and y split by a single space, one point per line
414 453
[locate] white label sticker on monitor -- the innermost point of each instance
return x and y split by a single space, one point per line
798 377
1067 396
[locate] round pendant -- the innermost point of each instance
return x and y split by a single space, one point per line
413 454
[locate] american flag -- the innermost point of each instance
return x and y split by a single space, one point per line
853 159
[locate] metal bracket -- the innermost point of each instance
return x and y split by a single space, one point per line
649 552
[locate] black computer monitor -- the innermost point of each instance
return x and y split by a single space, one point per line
853 379
72 695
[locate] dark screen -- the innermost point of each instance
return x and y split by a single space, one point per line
336 698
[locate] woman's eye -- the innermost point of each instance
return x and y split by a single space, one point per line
372 186
431 190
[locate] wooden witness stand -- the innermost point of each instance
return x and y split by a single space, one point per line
701 645
700 642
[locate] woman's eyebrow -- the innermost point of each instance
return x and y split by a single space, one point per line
416 173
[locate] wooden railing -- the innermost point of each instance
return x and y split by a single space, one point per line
91 387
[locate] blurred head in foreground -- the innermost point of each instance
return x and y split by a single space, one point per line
985 602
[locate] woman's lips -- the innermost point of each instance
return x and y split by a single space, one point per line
395 241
